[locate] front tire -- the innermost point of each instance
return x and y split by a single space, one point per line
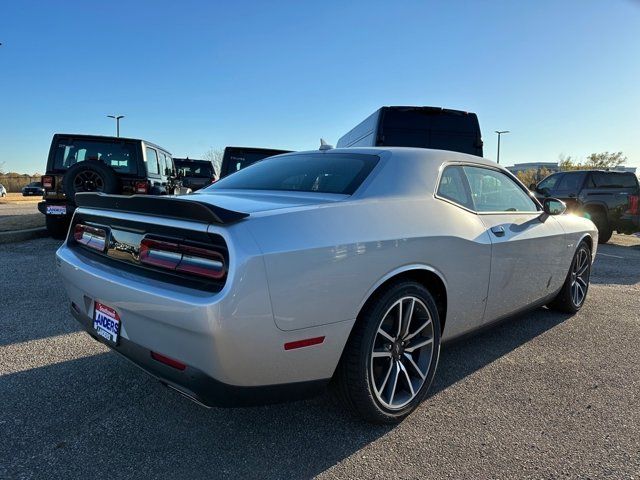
575 287
392 353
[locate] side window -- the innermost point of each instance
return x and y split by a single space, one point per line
613 180
453 187
493 191
166 164
571 182
152 162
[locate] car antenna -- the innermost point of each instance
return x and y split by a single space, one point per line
324 145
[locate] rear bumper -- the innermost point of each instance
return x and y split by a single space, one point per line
199 387
228 340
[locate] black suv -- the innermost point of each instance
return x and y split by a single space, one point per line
195 174
90 163
237 158
609 198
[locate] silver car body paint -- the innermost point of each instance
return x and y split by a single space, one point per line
303 265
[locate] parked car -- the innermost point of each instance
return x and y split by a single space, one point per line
609 198
425 127
237 158
33 188
3 191
351 265
90 163
195 174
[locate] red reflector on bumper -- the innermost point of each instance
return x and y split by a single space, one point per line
307 342
168 361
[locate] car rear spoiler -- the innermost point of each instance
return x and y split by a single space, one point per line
167 207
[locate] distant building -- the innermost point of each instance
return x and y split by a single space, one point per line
553 167
625 169
523 167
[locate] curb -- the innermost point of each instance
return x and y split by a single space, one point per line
21 235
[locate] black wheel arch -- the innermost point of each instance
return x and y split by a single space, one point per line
429 279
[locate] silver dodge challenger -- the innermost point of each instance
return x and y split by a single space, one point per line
347 267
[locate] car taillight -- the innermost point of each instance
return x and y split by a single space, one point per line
214 180
47 182
180 257
141 187
92 237
634 200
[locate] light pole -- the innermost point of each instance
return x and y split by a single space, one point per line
117 119
500 132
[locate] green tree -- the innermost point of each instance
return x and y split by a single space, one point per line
533 175
602 160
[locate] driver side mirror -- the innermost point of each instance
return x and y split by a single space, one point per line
553 206
532 187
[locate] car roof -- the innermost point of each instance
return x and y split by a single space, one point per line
110 137
428 154
190 160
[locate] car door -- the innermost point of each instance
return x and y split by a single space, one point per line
569 187
526 244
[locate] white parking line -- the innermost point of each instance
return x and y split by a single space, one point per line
609 255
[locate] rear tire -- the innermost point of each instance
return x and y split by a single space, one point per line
57 227
574 290
387 365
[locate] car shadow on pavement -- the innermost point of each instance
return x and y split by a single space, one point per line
101 416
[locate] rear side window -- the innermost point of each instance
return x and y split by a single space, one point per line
453 187
167 164
323 173
121 156
494 191
152 162
613 180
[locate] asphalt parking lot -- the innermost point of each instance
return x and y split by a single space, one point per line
542 396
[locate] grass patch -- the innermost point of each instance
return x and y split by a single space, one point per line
21 222
17 198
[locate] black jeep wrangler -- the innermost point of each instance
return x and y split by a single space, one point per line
90 163
609 198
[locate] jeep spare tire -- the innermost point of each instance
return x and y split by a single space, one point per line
89 176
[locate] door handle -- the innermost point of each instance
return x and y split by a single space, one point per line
498 231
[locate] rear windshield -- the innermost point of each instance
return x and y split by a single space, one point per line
192 169
121 156
427 128
323 173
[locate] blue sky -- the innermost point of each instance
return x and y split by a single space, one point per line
563 76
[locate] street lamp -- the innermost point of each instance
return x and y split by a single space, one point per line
117 119
500 132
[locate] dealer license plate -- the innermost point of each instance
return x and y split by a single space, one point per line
106 323
56 209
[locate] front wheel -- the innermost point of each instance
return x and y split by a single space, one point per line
575 287
391 357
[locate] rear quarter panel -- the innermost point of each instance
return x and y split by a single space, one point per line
323 263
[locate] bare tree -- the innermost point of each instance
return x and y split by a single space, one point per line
214 155
2 171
